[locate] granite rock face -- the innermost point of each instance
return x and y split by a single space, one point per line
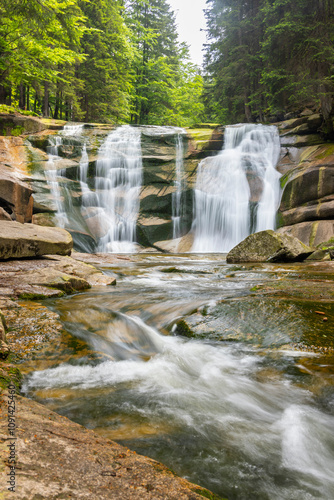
19 241
269 246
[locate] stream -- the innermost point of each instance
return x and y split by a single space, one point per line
244 407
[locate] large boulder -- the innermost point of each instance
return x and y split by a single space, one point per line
269 246
19 241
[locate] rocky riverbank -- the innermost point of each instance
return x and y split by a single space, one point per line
54 457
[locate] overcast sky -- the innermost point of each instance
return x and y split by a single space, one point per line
190 20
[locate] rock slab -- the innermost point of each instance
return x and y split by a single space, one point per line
19 241
269 246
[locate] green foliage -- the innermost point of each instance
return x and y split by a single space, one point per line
269 56
167 88
97 60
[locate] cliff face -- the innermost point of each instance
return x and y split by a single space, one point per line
307 164
26 193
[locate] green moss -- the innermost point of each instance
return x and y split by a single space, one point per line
328 151
203 134
39 296
182 328
207 494
10 374
17 131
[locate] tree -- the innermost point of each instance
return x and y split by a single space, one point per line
36 38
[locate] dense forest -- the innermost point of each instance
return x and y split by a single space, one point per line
121 61
269 57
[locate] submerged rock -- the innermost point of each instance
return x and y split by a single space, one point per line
19 241
269 246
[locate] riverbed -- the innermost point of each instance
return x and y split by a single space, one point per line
224 373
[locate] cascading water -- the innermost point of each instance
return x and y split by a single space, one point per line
177 207
237 192
53 173
117 188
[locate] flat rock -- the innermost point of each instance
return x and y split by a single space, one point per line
269 246
73 462
19 241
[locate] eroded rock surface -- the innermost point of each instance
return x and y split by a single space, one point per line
269 246
19 241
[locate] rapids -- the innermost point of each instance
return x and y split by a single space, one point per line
238 408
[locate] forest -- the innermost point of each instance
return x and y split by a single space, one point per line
120 61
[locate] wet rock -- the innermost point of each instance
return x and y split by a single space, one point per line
180 245
269 246
44 219
19 241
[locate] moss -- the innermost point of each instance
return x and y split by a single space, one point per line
10 374
17 131
207 494
203 134
327 151
182 328
39 296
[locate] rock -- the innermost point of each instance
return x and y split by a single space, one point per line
57 447
179 245
311 233
269 246
319 209
16 124
19 241
307 184
4 215
44 219
4 348
54 278
152 229
15 195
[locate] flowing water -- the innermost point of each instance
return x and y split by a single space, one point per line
117 186
237 409
238 191
177 204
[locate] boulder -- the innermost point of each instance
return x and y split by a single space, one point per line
269 246
19 241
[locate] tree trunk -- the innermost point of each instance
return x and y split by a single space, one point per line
45 110
22 98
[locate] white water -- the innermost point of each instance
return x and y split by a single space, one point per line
54 175
262 431
226 185
117 187
177 208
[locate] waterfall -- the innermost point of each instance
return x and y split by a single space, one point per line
237 192
117 188
177 208
53 174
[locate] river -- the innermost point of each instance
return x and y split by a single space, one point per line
206 367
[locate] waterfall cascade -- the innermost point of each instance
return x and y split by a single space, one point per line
177 206
53 174
238 191
117 187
